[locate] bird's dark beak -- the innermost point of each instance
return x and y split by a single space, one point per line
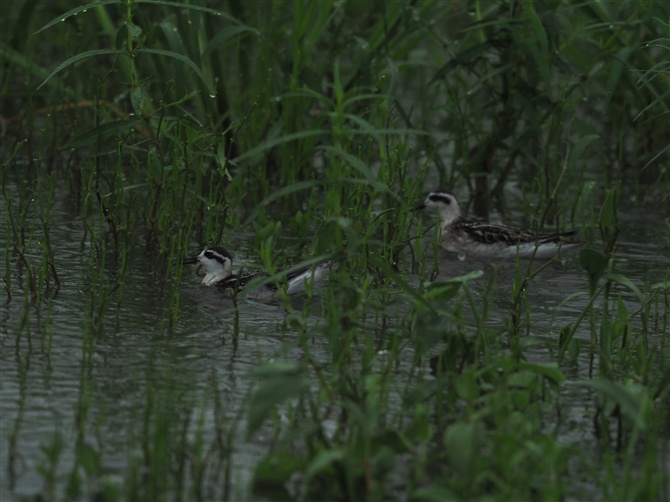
190 261
418 207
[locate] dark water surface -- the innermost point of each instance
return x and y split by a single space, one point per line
136 356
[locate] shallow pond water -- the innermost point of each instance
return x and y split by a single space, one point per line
47 376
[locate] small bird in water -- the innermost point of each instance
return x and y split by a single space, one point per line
218 263
464 236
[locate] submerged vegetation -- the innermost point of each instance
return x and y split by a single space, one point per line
304 131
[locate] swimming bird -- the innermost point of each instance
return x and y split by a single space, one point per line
218 263
463 236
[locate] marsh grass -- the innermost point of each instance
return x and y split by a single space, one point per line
315 127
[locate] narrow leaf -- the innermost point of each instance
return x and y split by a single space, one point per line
79 57
103 131
77 10
223 36
580 147
179 57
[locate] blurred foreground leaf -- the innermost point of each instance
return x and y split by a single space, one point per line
282 381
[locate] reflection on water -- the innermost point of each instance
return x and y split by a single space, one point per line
54 371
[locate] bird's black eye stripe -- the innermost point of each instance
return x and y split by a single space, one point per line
435 197
213 255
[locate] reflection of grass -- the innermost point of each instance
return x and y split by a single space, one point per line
315 127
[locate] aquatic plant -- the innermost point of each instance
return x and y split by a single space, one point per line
296 131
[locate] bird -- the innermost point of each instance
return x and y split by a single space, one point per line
463 236
218 263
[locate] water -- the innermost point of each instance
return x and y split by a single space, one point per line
136 355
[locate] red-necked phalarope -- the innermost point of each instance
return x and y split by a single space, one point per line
464 236
218 263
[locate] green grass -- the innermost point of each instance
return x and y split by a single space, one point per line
314 127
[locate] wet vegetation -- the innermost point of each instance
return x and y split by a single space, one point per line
304 131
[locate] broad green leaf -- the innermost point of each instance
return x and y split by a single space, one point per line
442 291
462 441
322 461
595 264
383 462
607 216
281 383
135 31
661 285
272 473
549 370
630 403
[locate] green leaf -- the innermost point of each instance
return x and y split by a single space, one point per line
463 57
263 147
26 64
102 131
277 194
434 493
549 370
276 368
431 327
282 381
661 285
180 5
137 100
135 31
364 169
322 461
631 399
223 36
666 148
178 57
625 281
383 462
77 10
272 473
541 53
595 264
79 57
386 268
442 291
462 279
581 145
462 441
121 37
608 212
